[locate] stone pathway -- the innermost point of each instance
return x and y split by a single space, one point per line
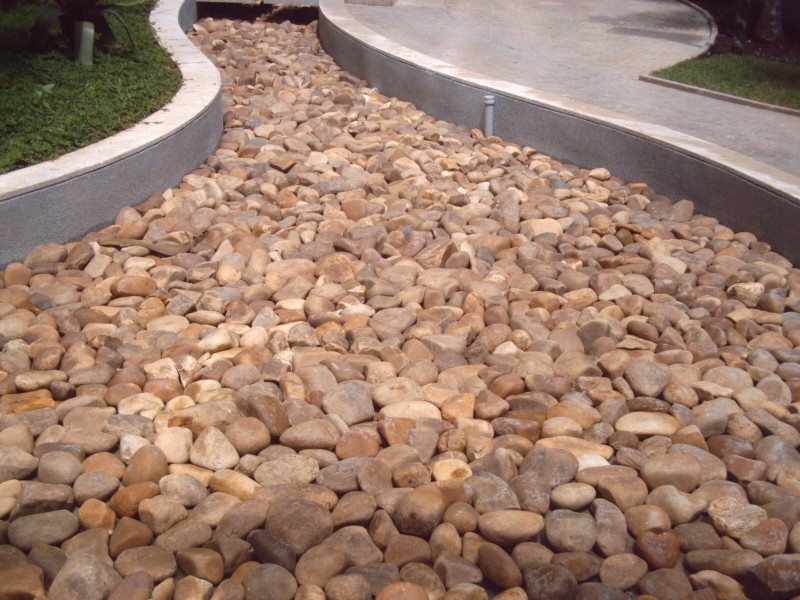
397 360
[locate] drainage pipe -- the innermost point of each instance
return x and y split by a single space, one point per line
488 115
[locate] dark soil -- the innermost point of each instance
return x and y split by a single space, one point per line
298 15
724 14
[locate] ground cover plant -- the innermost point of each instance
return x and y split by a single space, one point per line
763 71
52 105
743 76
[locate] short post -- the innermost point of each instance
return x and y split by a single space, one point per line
84 42
488 115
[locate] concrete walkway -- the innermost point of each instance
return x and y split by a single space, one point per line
566 79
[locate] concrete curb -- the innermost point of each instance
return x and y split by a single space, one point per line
712 24
65 198
741 192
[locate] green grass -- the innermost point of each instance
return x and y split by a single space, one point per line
749 77
50 105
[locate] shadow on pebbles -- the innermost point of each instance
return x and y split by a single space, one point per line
364 353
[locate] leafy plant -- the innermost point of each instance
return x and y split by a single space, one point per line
40 93
66 13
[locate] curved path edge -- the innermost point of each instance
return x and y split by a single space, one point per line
741 192
65 198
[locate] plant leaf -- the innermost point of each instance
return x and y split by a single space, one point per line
121 3
110 11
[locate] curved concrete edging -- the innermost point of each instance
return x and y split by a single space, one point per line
742 193
65 198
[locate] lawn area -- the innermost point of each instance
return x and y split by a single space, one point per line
51 105
749 77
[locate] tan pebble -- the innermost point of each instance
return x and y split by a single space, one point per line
450 469
235 484
642 423
158 562
160 513
402 590
731 562
646 517
622 571
149 463
574 496
358 443
681 470
128 533
201 562
95 513
125 502
510 527
421 511
679 506
190 587
768 537
104 462
133 286
624 492
576 446
730 516
136 586
412 410
722 586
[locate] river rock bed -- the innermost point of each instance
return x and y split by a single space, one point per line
364 353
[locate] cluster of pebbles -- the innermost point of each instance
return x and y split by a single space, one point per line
364 353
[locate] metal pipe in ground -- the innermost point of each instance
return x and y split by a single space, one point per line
488 115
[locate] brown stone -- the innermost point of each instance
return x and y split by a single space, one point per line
665 583
660 550
402 590
125 503
623 492
549 581
733 563
420 511
775 577
148 464
18 577
622 571
158 562
303 523
767 537
128 533
201 562
404 549
510 527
